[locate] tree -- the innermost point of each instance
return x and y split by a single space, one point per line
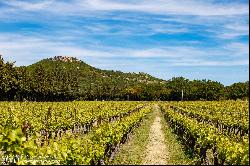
8 80
177 85
238 91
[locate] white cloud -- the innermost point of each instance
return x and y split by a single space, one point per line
224 20
234 30
133 29
238 49
26 50
212 63
181 7
26 5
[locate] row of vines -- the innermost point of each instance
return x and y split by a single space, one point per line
212 132
66 132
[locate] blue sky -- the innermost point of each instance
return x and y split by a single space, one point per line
196 39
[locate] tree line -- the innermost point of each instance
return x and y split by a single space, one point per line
65 81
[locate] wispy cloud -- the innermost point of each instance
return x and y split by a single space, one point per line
235 30
182 7
30 5
221 18
212 63
21 47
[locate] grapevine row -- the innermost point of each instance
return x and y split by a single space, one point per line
204 141
51 118
236 131
93 148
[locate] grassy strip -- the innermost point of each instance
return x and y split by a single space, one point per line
176 151
133 151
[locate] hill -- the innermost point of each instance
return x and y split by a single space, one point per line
71 64
67 78
76 77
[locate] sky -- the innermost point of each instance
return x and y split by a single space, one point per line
195 39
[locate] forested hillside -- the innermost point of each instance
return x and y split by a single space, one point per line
67 78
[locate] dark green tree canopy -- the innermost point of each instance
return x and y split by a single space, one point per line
66 78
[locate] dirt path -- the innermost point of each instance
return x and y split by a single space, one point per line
156 153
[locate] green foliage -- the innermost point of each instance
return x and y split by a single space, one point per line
238 91
44 144
8 80
67 79
208 129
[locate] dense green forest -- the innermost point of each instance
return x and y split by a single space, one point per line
67 78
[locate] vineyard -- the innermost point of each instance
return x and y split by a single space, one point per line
65 133
213 132
91 132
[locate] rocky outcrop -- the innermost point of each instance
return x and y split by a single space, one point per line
64 59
